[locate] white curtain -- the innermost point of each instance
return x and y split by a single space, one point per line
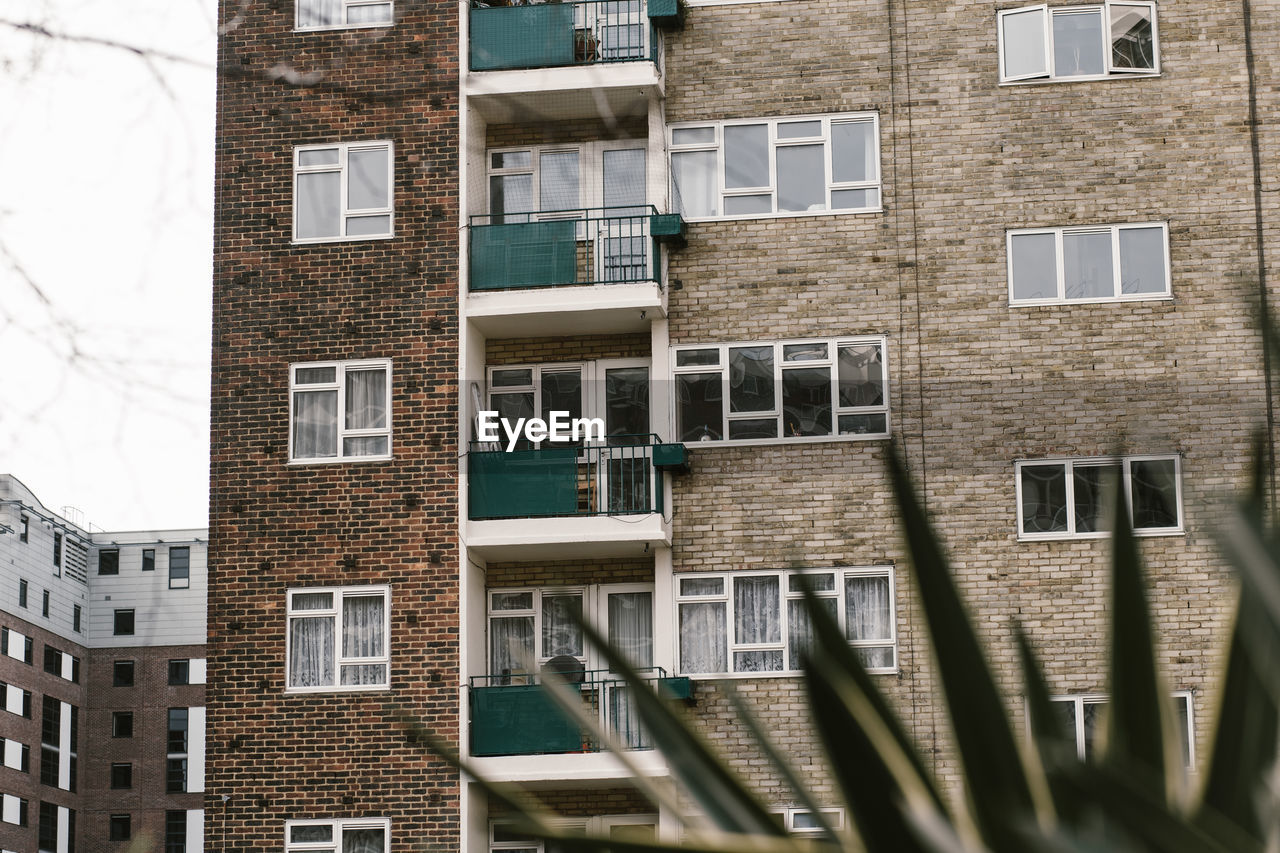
315 424
319 13
364 841
311 652
867 608
757 616
363 637
800 629
631 626
703 641
561 625
366 399
510 644
693 179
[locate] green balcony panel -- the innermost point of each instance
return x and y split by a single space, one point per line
667 14
538 36
527 254
523 484
520 720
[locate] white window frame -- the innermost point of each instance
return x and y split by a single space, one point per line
597 826
779 367
838 593
1116 272
346 5
1082 699
590 173
335 612
339 827
344 150
339 384
595 611
1125 463
772 122
1111 72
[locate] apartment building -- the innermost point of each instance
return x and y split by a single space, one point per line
102 668
756 241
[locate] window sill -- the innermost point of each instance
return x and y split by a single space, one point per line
321 691
339 460
1091 78
312 241
1101 300
1067 537
765 442
861 211
794 673
338 27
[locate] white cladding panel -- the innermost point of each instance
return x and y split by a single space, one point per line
195 749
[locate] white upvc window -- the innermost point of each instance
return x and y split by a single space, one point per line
342 14
641 828
1067 498
1082 720
1096 263
1117 38
793 166
340 411
338 638
354 835
554 181
782 391
343 191
755 623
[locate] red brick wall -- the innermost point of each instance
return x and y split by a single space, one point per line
273 525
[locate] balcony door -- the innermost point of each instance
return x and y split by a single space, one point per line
622 245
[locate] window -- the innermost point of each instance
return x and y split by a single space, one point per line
13 810
148 559
176 766
362 835
122 625
342 192
121 775
340 411
750 623
52 660
175 831
122 724
16 700
121 827
535 625
15 645
22 593
122 673
782 391
57 550
1082 719
1064 498
1111 39
776 167
59 733
109 562
338 638
24 529
17 756
180 568
44 604
337 14
75 617
1104 263
179 672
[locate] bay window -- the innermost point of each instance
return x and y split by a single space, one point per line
776 167
340 411
1101 263
338 638
782 391
1067 498
752 623
1112 39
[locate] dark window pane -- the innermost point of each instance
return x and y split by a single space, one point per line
123 626
751 383
179 672
121 775
121 827
1155 493
122 673
1132 41
177 730
1094 485
176 775
122 724
1044 498
109 562
149 559
699 406
175 831
806 401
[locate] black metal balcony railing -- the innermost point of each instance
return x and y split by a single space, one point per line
513 714
507 34
605 245
617 478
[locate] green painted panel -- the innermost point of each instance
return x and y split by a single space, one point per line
523 484
526 254
538 36
519 720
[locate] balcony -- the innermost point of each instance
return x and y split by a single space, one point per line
515 715
612 46
569 501
596 270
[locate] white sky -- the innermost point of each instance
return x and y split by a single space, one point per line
106 184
